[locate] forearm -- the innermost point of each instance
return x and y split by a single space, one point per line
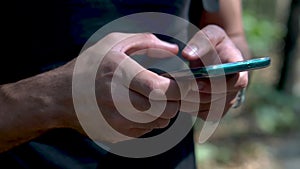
32 106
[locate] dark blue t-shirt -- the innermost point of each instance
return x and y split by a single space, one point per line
42 35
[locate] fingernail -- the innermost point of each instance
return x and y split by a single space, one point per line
191 50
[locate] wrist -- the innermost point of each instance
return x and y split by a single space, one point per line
60 92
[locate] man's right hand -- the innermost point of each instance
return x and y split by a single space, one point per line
118 77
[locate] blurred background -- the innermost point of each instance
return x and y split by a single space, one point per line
264 133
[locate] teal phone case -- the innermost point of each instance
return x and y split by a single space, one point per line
219 70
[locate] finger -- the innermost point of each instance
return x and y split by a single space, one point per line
147 82
205 108
195 109
137 77
143 104
156 124
197 47
223 84
196 96
138 108
120 123
144 41
137 132
169 112
139 101
237 81
132 75
189 107
213 43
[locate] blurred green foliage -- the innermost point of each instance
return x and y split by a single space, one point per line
209 151
274 111
263 35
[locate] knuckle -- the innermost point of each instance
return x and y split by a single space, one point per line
117 36
148 36
214 33
152 84
215 28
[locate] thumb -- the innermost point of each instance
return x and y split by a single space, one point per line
203 45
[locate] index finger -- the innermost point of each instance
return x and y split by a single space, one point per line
149 83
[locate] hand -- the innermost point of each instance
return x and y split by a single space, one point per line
119 75
211 46
46 101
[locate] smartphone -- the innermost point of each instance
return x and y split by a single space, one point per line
219 69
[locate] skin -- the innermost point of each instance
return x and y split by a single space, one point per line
229 18
33 106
